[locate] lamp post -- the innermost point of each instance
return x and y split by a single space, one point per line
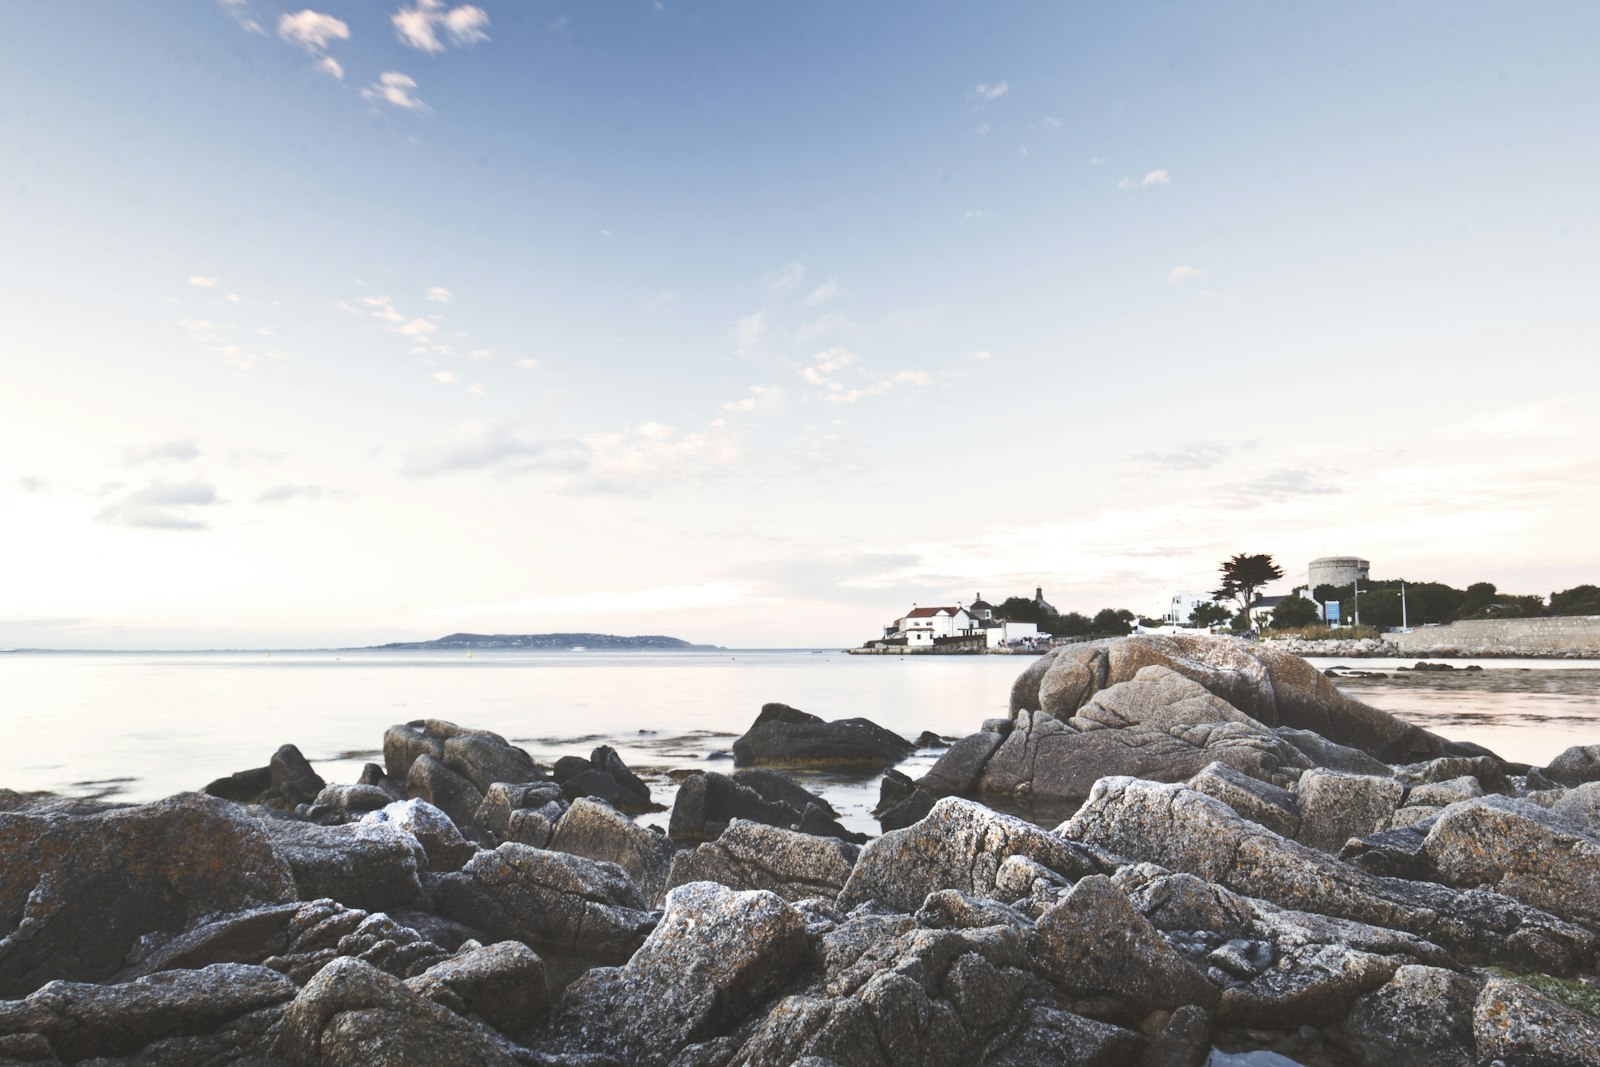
1355 589
1403 626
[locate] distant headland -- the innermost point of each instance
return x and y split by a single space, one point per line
560 642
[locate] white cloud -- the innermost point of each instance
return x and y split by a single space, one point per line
444 377
312 30
983 355
329 65
477 389
822 293
988 92
1156 177
162 451
201 281
161 506
395 88
440 295
1179 275
483 444
1096 161
239 11
283 494
977 214
528 364
426 25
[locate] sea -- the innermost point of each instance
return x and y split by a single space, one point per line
137 726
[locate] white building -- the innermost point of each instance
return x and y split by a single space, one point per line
1182 605
920 626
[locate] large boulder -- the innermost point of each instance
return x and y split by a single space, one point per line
1158 725
1334 807
1183 830
503 984
708 801
287 781
597 831
957 772
1422 1017
508 810
353 1014
548 900
367 865
960 845
741 949
604 776
750 855
430 780
77 892
1515 1025
435 831
79 1020
1575 766
783 736
1522 850
1262 802
1273 687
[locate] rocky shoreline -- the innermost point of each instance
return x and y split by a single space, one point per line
1248 859
1377 647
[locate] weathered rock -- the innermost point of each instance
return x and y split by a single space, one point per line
1581 806
446 849
1276 688
740 948
1444 793
241 937
1183 1039
353 800
503 984
1049 1035
81 1020
1334 806
293 778
548 900
912 808
365 865
1187 831
1489 772
1410 815
597 831
951 909
787 737
429 779
1309 984
1329 754
1421 1018
708 801
960 845
1158 725
1260 802
534 827
483 759
323 930
1517 1026
1095 943
354 1014
1522 850
754 856
78 891
958 770
374 775
502 799
403 743
241 787
777 786
1575 766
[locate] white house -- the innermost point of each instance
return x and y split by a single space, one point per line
920 626
1182 605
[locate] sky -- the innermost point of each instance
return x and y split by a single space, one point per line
756 324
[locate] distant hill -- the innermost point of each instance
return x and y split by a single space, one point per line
559 642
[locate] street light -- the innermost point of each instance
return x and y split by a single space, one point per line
1404 627
1355 588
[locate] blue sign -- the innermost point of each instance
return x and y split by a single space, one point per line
1331 609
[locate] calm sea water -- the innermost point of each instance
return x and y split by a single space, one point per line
139 726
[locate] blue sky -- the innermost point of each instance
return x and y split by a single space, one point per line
755 323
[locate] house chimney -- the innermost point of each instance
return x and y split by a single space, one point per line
1038 592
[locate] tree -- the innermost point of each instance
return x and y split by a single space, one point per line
1242 575
1209 614
1579 600
1293 611
1112 621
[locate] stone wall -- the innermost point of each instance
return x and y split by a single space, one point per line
1568 635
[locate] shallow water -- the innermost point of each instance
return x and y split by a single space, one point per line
143 725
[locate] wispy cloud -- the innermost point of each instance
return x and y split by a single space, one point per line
977 215
987 93
179 451
822 293
1277 486
162 506
484 444
835 372
1149 181
202 281
395 88
1194 456
312 30
1179 275
444 377
430 26
283 494
440 295
239 11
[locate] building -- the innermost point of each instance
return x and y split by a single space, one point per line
1336 570
920 626
1182 605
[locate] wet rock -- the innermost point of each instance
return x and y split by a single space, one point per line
1575 766
596 831
777 786
1515 1025
1260 802
548 900
740 948
78 891
708 801
958 770
754 856
1334 806
785 736
430 780
960 845
354 1014
1182 1039
603 777
502 984
79 1020
1521 850
1158 725
913 808
1421 1018
241 787
1095 943
1308 984
293 778
1397 852
1051 1035
365 865
446 849
1183 830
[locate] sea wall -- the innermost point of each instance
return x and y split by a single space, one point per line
1577 635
